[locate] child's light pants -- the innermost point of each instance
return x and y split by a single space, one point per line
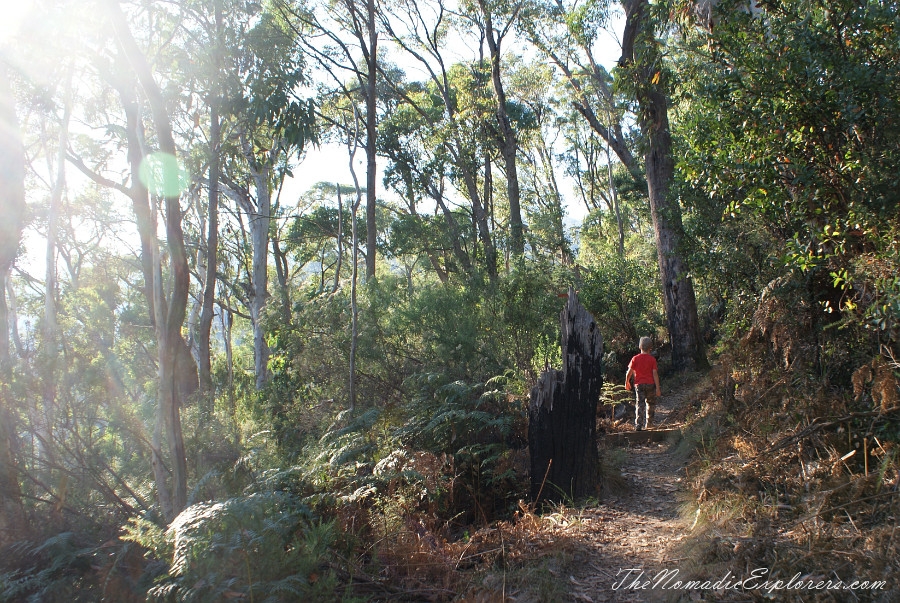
644 405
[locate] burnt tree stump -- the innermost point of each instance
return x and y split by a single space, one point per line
562 412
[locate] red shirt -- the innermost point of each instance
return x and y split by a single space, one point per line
643 366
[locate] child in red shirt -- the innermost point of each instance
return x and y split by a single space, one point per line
646 385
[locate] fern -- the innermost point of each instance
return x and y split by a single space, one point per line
55 565
475 425
148 535
261 547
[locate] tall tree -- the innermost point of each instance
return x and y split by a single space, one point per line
539 134
352 142
171 308
451 127
643 62
321 33
212 238
50 327
568 34
370 54
12 208
510 146
265 70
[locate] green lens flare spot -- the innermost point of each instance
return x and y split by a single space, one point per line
163 175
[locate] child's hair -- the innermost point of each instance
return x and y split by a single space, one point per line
645 344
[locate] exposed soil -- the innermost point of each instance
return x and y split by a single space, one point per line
637 526
595 553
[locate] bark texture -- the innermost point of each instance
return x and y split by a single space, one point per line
260 220
204 363
562 413
371 134
639 50
170 341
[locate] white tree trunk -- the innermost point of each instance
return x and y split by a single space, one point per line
50 331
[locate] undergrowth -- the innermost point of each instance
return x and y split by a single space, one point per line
793 460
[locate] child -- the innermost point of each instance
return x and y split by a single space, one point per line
646 379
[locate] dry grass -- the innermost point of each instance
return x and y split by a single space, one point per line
522 559
790 474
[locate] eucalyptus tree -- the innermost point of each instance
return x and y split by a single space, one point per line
588 160
321 232
204 42
495 20
567 34
146 177
420 167
457 119
643 72
415 175
55 63
341 37
535 87
12 208
169 307
270 123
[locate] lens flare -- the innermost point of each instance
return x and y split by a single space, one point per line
163 175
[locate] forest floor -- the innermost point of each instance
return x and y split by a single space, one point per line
636 529
597 553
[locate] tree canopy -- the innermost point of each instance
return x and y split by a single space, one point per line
224 371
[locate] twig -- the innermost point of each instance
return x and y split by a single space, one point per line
843 506
815 426
766 393
541 489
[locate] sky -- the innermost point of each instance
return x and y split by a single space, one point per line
329 163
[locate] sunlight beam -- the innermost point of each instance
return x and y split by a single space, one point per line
12 12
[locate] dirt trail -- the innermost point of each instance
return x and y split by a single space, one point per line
637 526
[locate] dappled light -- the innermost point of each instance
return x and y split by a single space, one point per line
423 300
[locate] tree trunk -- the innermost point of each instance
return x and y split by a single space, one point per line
227 319
340 240
480 212
259 239
163 494
170 341
678 292
282 273
50 344
212 238
354 274
437 193
565 254
12 209
510 145
562 413
212 252
614 198
137 192
371 133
